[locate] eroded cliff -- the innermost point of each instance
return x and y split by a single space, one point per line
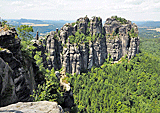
77 46
17 72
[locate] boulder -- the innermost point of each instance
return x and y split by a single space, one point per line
33 107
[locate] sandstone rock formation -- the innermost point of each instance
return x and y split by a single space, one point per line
117 38
33 107
95 25
7 86
18 78
0 24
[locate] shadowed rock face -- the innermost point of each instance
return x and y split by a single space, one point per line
0 24
18 82
95 25
114 40
7 86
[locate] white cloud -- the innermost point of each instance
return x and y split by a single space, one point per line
17 3
135 2
156 1
73 9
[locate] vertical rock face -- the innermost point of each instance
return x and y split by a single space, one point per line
126 41
0 24
134 47
19 73
53 48
111 25
7 86
118 37
114 48
83 24
71 59
95 25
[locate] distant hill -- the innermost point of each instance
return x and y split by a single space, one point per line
43 26
153 24
147 29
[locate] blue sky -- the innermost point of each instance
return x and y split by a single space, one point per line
135 10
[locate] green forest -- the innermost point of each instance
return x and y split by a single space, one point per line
127 86
131 86
149 34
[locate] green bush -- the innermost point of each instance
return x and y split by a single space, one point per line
121 20
73 24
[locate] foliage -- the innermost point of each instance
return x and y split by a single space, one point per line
80 38
89 24
150 46
65 80
143 32
1 48
129 86
114 33
55 36
73 24
24 32
77 22
4 22
132 33
58 32
99 18
50 90
121 20
6 26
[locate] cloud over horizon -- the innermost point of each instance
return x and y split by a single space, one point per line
73 9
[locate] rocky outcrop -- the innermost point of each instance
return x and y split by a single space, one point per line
0 24
95 25
32 107
117 38
82 24
21 77
53 47
111 25
121 36
7 86
68 94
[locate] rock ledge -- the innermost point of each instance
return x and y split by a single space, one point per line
33 107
